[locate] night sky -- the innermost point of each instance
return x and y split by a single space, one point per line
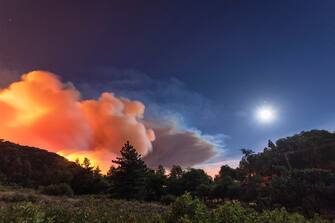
206 65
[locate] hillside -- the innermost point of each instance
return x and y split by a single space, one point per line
33 167
313 149
29 166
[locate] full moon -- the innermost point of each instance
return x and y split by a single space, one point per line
265 114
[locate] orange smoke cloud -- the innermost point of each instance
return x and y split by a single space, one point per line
41 111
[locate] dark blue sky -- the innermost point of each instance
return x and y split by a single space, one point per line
208 64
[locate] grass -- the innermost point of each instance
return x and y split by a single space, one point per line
18 205
28 206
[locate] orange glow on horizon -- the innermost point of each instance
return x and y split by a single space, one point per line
96 159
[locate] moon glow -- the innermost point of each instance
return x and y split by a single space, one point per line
265 114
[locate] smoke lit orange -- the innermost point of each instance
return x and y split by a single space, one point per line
41 111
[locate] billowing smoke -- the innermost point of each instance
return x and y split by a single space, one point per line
174 146
41 111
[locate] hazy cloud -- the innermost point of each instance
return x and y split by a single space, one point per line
183 148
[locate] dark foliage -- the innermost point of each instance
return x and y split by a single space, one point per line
155 185
309 191
28 166
57 190
307 150
128 179
32 167
296 172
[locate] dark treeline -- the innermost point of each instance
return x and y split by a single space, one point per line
295 172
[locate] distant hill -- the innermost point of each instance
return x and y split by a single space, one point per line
312 149
32 167
306 150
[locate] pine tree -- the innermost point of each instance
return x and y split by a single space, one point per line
128 177
160 170
97 171
87 164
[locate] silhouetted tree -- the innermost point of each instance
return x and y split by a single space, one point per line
247 162
227 183
156 184
193 178
174 184
87 164
247 152
84 180
226 170
128 178
97 171
176 172
161 170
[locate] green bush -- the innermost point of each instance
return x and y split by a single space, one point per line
280 216
233 213
188 209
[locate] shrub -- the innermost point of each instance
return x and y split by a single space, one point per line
188 209
57 190
281 216
233 213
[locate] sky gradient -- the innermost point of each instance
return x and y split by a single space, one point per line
207 66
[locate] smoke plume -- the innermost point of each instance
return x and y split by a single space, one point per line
41 111
174 146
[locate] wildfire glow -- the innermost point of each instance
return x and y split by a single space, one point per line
41 111
80 157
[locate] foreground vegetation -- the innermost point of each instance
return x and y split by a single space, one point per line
28 206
